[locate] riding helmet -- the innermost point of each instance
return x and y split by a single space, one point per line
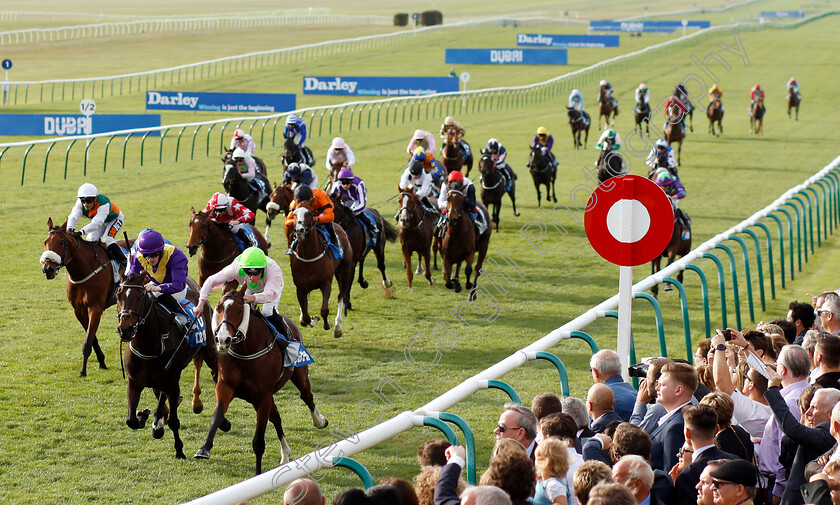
345 173
220 201
419 134
449 121
663 177
150 242
602 83
415 168
238 154
303 193
419 153
253 257
238 133
493 144
643 86
338 143
292 119
87 190
455 175
661 143
542 130
294 170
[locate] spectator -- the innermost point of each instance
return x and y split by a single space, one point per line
809 343
303 492
758 343
804 403
485 495
704 487
562 426
351 496
635 473
778 341
577 409
701 423
827 358
788 329
606 369
646 413
552 465
733 483
674 390
433 452
611 494
446 487
424 484
384 494
589 475
735 439
600 404
407 493
520 424
829 314
544 404
706 376
802 316
702 351
512 470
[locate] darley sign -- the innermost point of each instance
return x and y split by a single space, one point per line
220 102
378 86
557 40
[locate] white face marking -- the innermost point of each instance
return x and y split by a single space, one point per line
227 303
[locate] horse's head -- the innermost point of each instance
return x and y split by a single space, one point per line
200 228
454 206
228 156
339 208
57 247
290 150
573 114
230 176
409 206
279 200
231 317
452 136
134 305
304 221
486 165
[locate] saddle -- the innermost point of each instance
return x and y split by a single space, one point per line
248 230
336 251
261 185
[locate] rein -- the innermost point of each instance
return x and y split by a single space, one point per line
239 336
306 231
66 246
208 236
141 320
411 214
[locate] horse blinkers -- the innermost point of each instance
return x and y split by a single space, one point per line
51 260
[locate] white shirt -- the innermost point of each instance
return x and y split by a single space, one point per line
668 415
750 414
698 451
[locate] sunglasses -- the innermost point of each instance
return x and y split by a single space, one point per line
253 271
346 182
90 199
821 312
718 483
153 255
502 428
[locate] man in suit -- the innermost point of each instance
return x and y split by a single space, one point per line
606 369
519 423
700 427
635 473
827 358
674 390
600 404
445 489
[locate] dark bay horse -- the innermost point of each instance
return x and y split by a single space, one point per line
218 247
543 173
493 188
605 108
314 268
674 134
415 230
715 113
251 368
757 117
90 282
460 243
156 355
609 165
642 116
228 158
358 241
579 122
453 157
676 247
793 100
292 153
279 201
238 187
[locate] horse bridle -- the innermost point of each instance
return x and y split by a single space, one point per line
238 335
489 170
418 207
65 246
531 163
141 317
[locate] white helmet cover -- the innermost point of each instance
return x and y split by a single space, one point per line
87 190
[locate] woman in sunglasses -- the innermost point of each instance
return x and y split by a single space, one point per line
106 219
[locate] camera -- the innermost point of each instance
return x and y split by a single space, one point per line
638 370
727 335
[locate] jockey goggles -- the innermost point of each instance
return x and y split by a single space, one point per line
253 271
87 199
345 182
153 255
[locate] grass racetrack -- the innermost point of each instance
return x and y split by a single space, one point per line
63 439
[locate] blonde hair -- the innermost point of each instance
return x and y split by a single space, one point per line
552 458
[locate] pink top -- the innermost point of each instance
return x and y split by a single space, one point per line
269 288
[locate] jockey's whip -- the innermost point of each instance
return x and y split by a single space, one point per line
169 364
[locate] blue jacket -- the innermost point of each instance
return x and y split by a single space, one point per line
625 396
305 177
299 128
666 442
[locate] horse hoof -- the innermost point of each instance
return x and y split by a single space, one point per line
515 213
431 281
458 287
363 283
314 321
472 295
82 374
157 433
668 287
225 426
102 366
409 290
387 283
180 455
449 284
469 285
202 454
197 409
338 334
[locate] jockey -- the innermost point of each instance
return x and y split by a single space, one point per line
610 140
714 93
166 267
430 164
417 178
300 174
106 219
498 153
643 95
793 86
226 209
545 141
682 95
450 123
322 211
243 141
265 285
672 103
340 151
671 185
245 163
352 193
576 100
296 129
460 184
661 156
755 94
608 88
423 139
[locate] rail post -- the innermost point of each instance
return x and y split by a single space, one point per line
747 274
722 285
686 322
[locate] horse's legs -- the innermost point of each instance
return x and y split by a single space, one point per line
224 394
512 195
267 230
303 301
553 179
428 273
655 265
258 443
91 344
326 289
197 406
160 414
274 417
539 195
456 281
362 282
135 420
174 395
300 378
379 251
679 154
409 271
447 273
497 208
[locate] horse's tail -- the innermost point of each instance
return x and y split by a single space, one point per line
390 231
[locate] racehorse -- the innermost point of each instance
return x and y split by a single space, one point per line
415 230
673 133
642 115
90 281
314 268
279 200
543 173
218 247
356 235
609 165
757 117
251 368
292 153
715 113
605 108
579 122
335 168
793 100
453 157
493 188
460 242
228 158
238 187
156 355
676 247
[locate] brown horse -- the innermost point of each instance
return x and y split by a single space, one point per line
715 113
543 173
461 242
251 368
605 108
579 122
279 200
228 158
156 355
415 230
757 117
493 188
793 100
674 133
641 114
292 153
335 168
218 247
356 234
90 282
453 157
313 267
676 247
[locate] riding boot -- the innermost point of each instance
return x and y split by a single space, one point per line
243 236
116 254
279 324
182 319
506 172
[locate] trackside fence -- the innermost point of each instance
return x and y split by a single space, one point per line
179 141
815 201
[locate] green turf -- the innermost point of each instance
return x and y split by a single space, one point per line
64 439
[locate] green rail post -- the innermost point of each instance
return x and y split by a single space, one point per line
332 111
192 145
357 468
262 131
736 296
747 274
561 369
46 158
770 273
125 145
798 234
781 246
593 346
835 186
657 313
810 227
443 427
274 130
686 322
352 112
826 193
23 170
160 151
87 154
222 137
722 285
178 143
105 160
469 442
704 291
816 204
142 144
760 269
504 386
66 156
207 148
790 239
321 121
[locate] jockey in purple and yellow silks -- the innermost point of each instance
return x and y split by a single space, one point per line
545 141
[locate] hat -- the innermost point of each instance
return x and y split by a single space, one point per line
737 471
